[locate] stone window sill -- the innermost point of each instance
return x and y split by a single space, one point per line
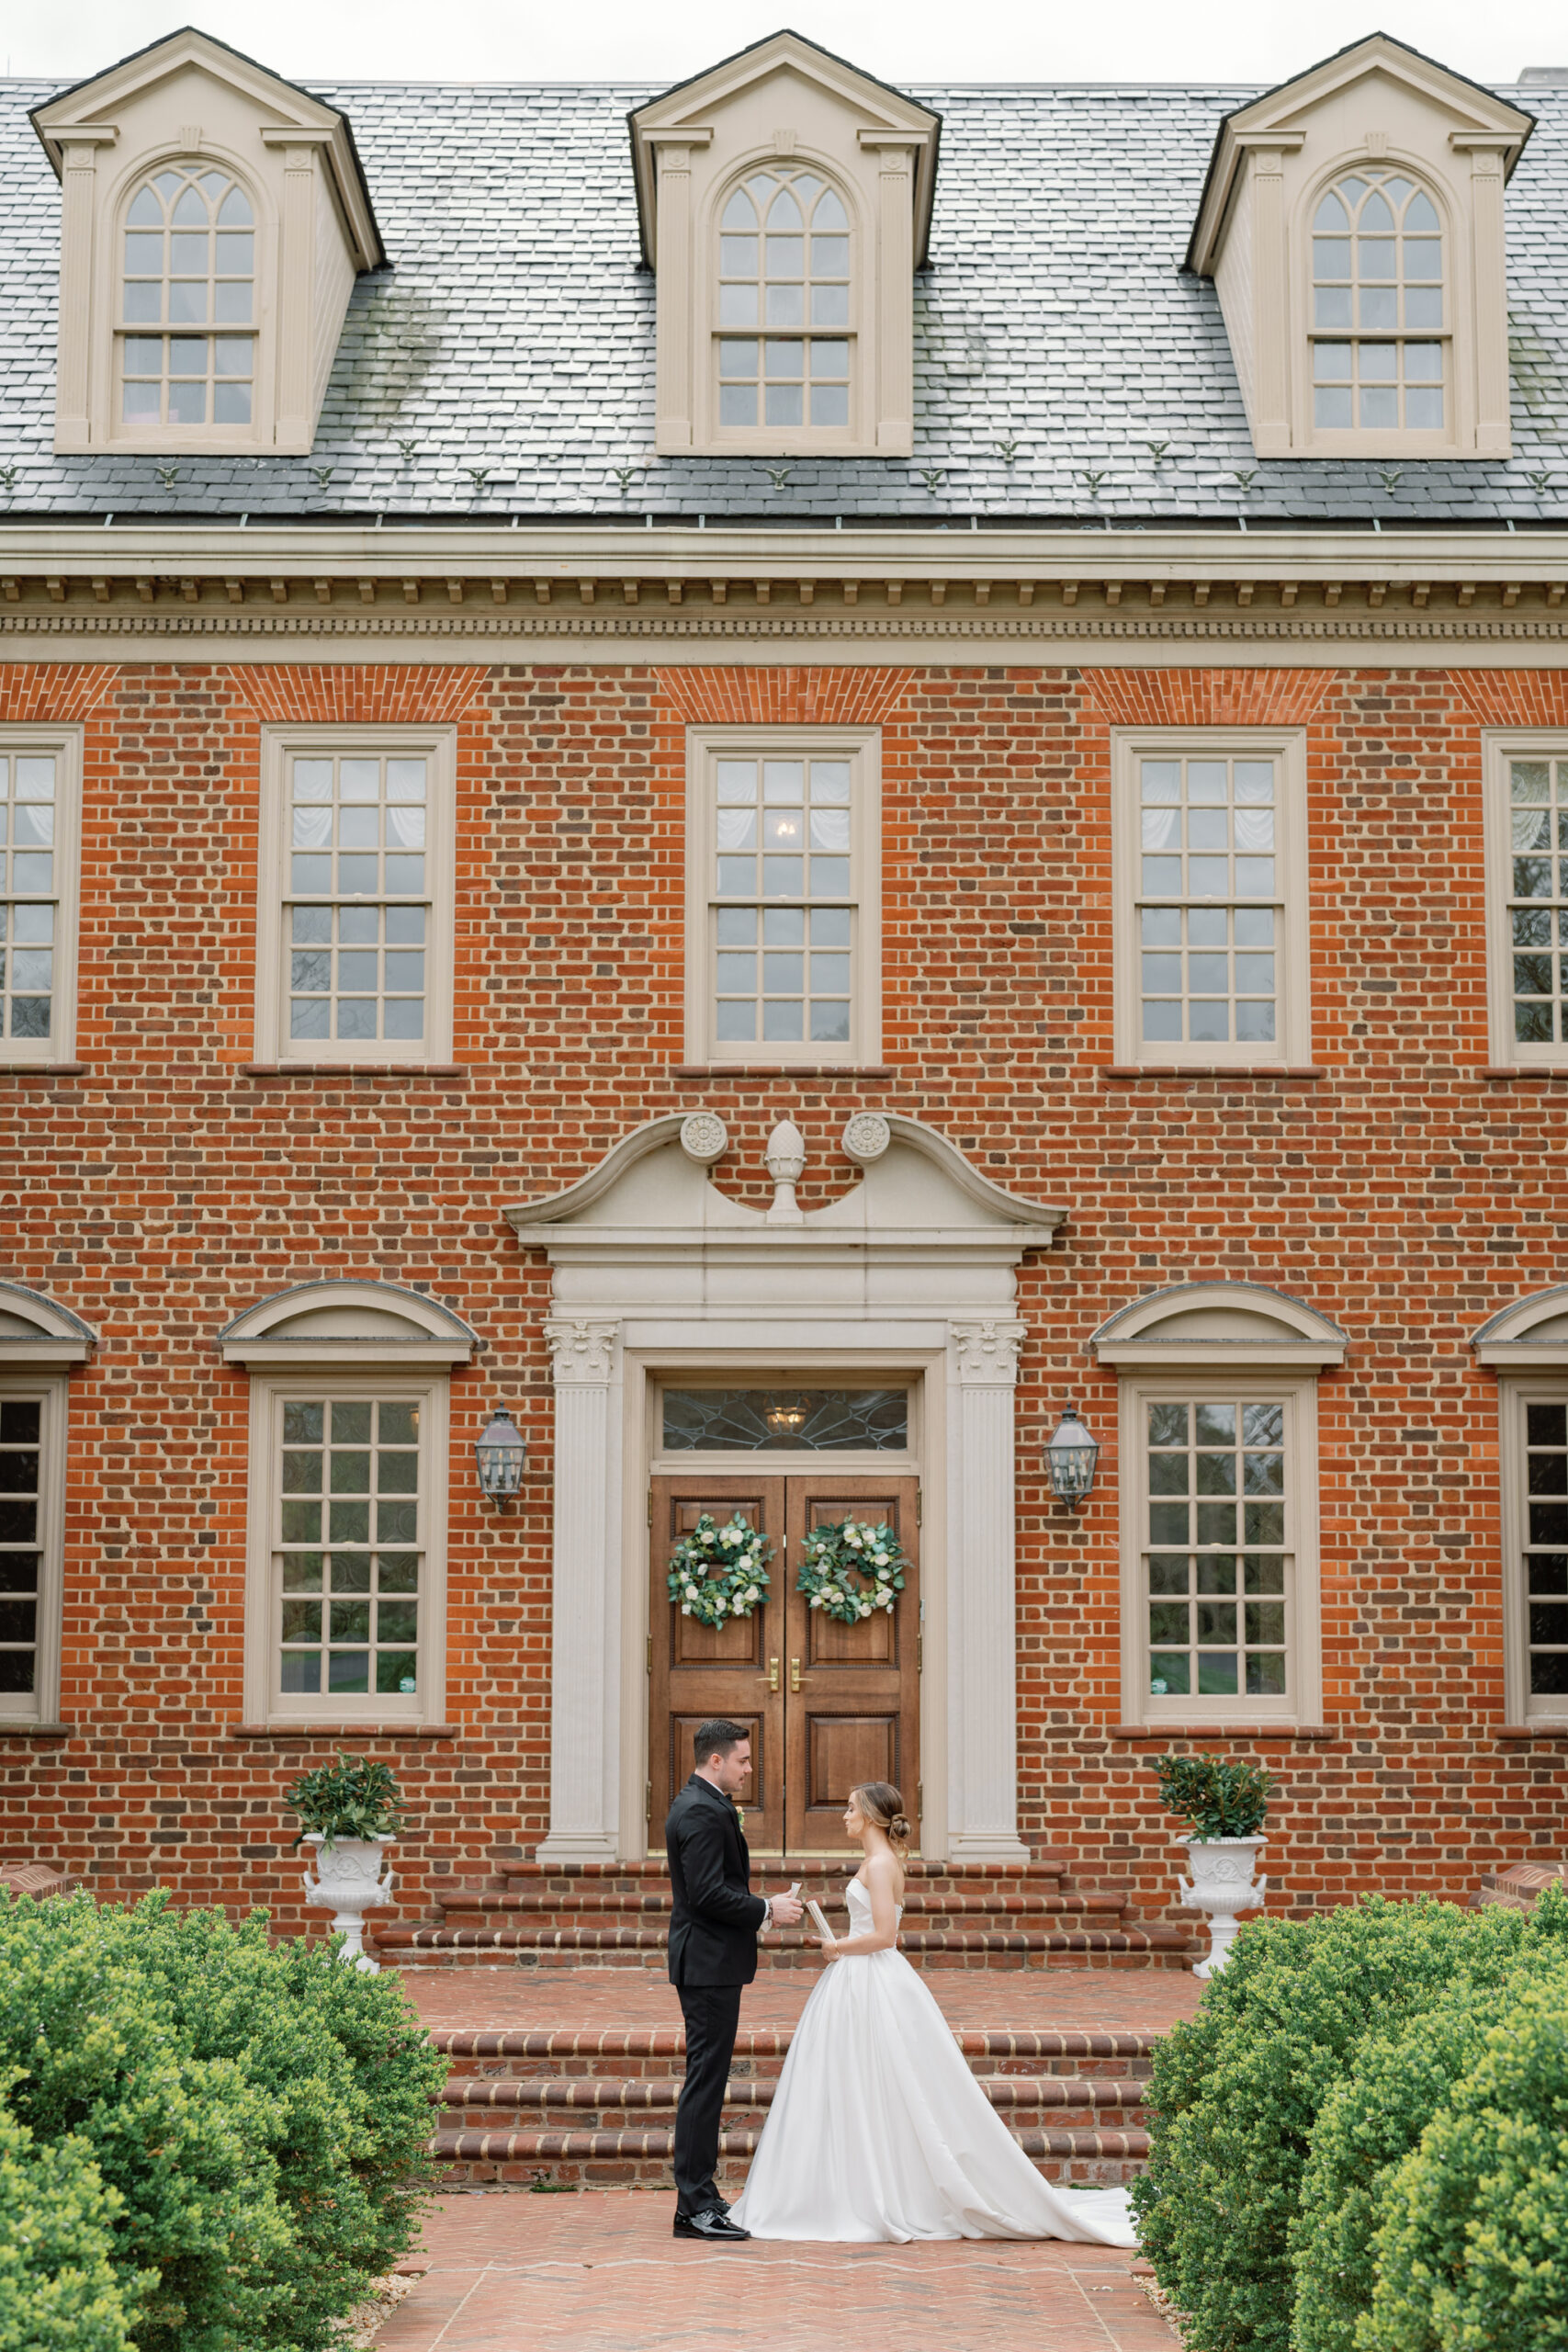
1534 1731
19 1730
1503 1073
1122 1071
43 1070
709 1071
1275 1730
343 1731
353 1069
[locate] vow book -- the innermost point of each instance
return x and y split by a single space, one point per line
822 1927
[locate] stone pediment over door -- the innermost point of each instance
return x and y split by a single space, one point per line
911 1264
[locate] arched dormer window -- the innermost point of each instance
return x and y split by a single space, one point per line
186 338
1380 333
783 277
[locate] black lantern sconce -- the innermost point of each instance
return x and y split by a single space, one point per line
1070 1457
501 1451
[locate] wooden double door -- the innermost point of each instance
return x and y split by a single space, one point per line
827 1705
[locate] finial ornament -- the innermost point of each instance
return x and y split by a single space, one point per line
787 1162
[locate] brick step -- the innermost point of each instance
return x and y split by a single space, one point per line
584 1905
658 2054
1028 2101
1000 1949
629 1877
624 2159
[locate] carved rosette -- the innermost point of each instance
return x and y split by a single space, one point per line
704 1138
866 1137
987 1353
582 1350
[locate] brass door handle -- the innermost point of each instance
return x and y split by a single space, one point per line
773 1674
794 1674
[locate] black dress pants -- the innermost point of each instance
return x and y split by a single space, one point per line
712 2013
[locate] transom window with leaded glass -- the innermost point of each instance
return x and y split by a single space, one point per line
187 307
782 905
784 347
1210 907
1379 330
1216 1566
1537 900
30 858
348 1571
359 904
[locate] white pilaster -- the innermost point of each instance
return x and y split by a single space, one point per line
585 1618
982 1643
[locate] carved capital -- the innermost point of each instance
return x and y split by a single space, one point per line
987 1353
582 1349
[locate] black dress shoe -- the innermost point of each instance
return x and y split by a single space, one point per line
713 2224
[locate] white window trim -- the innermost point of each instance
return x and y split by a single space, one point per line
1292 1046
791 440
1498 747
42 1704
265 1704
65 743
279 745
861 746
1298 1392
1515 1391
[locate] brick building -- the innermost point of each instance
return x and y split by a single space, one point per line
783 804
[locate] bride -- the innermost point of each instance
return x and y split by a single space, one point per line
878 2130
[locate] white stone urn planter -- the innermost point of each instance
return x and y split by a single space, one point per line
350 1878
1222 1884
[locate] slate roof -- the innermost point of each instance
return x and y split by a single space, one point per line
513 333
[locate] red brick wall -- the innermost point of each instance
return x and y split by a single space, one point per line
166 1190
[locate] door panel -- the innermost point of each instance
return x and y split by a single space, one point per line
853 1689
827 1704
696 1670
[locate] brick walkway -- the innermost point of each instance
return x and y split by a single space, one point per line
500 1999
601 2273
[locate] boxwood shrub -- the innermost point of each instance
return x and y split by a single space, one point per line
1236 2094
59 2289
259 2112
1472 2253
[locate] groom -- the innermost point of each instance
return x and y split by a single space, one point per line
715 1921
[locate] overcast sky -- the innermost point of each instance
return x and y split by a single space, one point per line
916 40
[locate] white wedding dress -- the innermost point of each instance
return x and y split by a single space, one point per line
878 2130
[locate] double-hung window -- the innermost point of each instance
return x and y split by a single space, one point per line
783 899
1210 853
1527 893
356 945
32 1495
40 801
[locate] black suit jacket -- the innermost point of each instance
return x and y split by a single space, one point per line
715 1916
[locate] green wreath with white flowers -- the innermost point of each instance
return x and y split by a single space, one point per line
720 1573
851 1569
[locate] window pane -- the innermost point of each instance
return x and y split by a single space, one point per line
785 279
176 269
784 804
1205 819
349 1447
1216 1447
28 911
360 815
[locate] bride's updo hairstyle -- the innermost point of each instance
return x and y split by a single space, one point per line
884 1808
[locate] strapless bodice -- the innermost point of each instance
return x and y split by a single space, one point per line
860 1906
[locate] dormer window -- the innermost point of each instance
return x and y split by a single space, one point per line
1377 288
784 271
213 219
784 201
190 273
1352 224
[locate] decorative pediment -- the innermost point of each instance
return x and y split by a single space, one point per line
36 1330
1218 1323
1363 82
782 73
347 1322
1534 1331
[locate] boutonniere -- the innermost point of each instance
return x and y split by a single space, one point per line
740 1819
